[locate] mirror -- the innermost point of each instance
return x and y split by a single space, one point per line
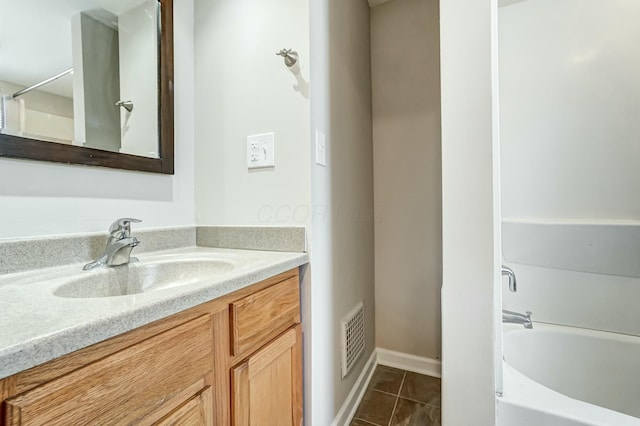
88 82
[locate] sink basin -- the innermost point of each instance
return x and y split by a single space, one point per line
143 277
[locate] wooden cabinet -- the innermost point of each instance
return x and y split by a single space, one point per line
136 385
197 411
267 387
266 384
234 360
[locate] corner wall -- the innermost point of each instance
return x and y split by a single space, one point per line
471 330
40 198
342 244
405 50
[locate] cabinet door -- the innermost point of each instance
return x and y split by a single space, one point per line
267 387
198 411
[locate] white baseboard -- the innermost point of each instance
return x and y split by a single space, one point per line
417 364
348 409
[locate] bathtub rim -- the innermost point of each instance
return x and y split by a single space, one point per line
522 391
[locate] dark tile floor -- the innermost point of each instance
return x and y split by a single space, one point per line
399 398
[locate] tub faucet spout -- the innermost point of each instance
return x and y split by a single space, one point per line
517 318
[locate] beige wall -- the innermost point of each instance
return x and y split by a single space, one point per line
407 175
342 254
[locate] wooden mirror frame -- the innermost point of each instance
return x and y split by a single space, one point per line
34 149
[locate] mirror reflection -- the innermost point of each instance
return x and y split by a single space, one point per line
81 72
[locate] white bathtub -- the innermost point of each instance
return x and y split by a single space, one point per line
565 376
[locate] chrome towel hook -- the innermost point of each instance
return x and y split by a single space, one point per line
290 57
128 105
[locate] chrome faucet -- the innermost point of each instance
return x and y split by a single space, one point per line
119 245
512 278
517 318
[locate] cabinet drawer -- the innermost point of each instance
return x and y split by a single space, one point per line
260 317
125 387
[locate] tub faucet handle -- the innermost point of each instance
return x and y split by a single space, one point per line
512 278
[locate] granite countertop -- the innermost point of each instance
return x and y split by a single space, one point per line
37 326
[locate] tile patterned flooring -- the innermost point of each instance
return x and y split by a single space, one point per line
399 398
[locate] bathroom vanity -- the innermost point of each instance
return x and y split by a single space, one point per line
233 358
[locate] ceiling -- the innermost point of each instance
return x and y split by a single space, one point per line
35 38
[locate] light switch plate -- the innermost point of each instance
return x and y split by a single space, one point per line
321 148
260 151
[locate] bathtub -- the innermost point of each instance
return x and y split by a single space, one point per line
565 376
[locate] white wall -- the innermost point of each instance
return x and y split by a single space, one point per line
471 213
49 125
342 245
405 42
245 89
38 198
569 105
40 100
38 113
137 38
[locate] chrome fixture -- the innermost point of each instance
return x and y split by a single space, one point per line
128 105
290 56
119 245
512 278
517 318
42 83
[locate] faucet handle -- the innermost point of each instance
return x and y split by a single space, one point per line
513 287
121 228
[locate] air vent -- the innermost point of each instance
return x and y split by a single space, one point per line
352 326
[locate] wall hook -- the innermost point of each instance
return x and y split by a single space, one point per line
128 105
290 57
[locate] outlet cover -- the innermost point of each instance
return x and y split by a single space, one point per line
260 151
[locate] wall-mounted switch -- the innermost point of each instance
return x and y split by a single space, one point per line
321 148
260 151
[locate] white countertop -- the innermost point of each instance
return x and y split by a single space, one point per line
36 326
